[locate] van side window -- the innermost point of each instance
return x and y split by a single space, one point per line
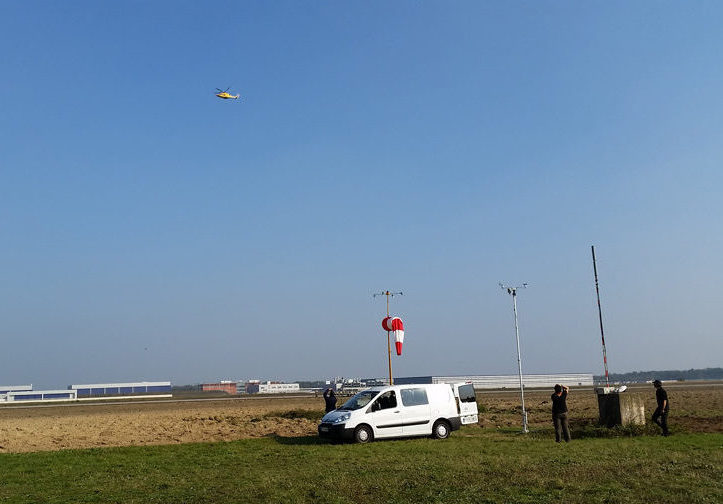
384 401
466 393
414 397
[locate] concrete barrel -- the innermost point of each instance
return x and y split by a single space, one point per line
617 408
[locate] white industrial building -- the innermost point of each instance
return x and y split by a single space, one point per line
122 389
25 393
272 388
507 381
4 389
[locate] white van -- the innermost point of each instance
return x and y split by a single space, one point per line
402 411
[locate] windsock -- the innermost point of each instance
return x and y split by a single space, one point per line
395 325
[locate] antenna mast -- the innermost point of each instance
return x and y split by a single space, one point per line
599 312
513 292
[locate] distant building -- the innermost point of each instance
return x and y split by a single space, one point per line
85 392
271 388
25 393
121 389
251 385
4 389
375 382
506 381
224 386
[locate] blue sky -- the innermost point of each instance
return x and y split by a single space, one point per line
152 231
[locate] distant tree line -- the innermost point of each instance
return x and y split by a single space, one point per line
670 375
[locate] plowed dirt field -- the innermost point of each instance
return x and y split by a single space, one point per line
80 425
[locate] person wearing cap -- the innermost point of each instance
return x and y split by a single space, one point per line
660 416
330 400
559 413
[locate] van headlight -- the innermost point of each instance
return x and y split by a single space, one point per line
342 418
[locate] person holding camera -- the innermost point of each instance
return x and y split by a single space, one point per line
559 413
330 400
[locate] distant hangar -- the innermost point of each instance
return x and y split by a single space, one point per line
88 392
19 393
507 381
121 389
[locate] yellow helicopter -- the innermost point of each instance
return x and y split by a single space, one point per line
225 94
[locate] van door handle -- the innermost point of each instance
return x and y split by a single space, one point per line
396 411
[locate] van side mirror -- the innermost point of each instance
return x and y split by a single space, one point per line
375 407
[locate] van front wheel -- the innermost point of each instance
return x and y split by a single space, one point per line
363 434
440 429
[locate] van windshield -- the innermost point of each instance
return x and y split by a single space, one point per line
359 401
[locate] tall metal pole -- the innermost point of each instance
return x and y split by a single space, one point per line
519 363
599 312
389 346
513 292
388 294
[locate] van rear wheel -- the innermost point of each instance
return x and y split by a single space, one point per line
363 434
441 429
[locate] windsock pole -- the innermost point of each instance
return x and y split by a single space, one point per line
389 347
388 294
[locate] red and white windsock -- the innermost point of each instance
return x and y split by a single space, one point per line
395 325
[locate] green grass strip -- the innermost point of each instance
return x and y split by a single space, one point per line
473 466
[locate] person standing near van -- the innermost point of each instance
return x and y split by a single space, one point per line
660 416
330 400
559 413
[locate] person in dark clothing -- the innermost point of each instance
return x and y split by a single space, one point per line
330 400
559 413
660 416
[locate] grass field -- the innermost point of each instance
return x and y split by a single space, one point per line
473 466
487 463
